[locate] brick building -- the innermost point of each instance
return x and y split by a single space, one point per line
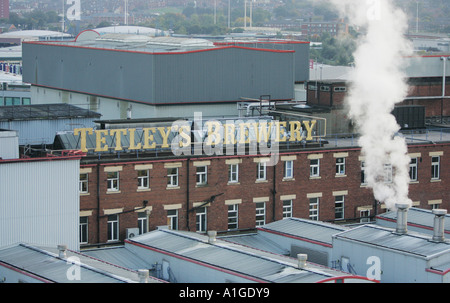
427 87
134 192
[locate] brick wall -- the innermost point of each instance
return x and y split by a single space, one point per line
248 190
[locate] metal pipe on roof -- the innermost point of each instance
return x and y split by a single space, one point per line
402 210
439 229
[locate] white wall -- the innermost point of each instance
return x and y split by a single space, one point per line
40 203
9 144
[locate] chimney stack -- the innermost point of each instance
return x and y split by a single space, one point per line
62 251
402 218
302 260
438 230
212 236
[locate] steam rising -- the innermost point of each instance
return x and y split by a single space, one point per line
377 84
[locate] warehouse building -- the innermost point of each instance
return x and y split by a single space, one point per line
194 258
146 77
396 255
391 252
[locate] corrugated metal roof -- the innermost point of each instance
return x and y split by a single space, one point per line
119 256
44 111
257 241
417 216
49 267
255 264
385 238
308 229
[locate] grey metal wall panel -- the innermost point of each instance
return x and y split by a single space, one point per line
44 131
225 74
118 74
301 56
217 75
426 66
47 212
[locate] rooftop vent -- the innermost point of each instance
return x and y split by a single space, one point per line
62 251
302 260
212 236
438 230
143 275
402 218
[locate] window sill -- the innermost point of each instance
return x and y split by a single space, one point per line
315 178
172 187
233 183
143 189
435 180
261 181
341 176
287 179
85 194
413 182
111 192
201 185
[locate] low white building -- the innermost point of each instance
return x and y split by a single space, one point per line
39 198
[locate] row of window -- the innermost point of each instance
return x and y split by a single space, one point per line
6 101
143 176
232 216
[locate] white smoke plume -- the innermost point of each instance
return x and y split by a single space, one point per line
377 84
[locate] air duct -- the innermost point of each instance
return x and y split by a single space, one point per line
402 218
438 230
302 260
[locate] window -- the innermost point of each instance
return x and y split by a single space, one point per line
26 101
143 179
340 166
325 88
84 183
289 169
172 219
113 181
142 222
83 230
339 207
413 169
388 173
340 89
113 228
233 173
287 209
172 177
314 209
202 175
314 167
364 216
435 163
261 169
363 175
13 101
260 213
200 219
233 216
